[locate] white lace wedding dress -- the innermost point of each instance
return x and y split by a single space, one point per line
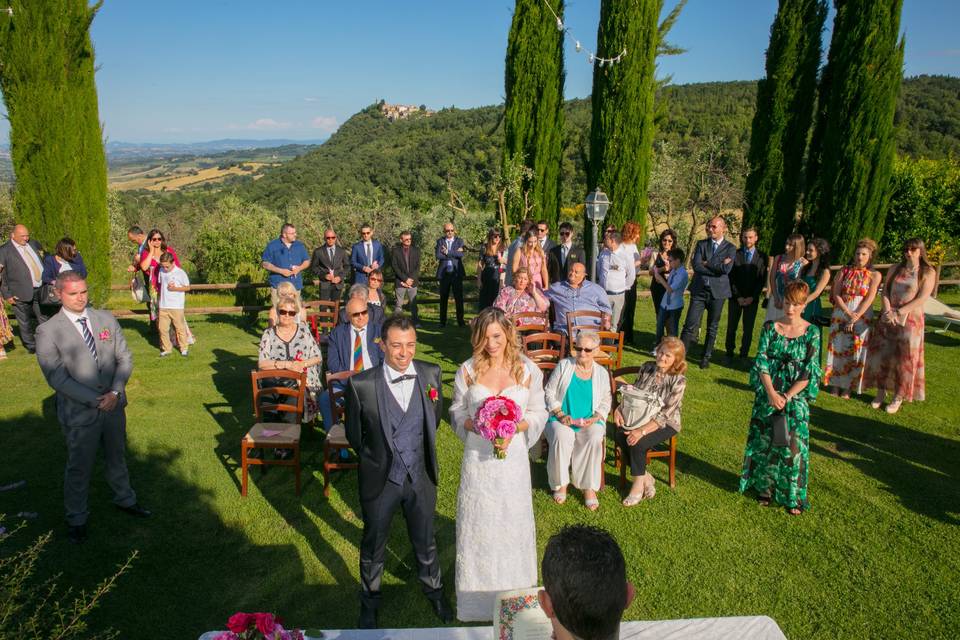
496 538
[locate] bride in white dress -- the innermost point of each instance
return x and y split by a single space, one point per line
496 538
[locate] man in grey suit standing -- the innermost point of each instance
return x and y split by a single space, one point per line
85 359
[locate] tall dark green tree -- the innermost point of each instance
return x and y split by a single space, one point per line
781 124
852 150
533 117
56 142
621 131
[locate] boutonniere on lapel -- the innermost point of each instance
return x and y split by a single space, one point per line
377 340
432 393
105 334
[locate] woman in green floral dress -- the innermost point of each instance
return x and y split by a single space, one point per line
785 377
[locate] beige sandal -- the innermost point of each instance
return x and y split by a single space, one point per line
632 500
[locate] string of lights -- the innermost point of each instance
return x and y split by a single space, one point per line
592 58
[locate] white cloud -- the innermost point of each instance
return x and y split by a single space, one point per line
327 124
262 124
311 99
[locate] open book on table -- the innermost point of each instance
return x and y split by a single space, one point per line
517 616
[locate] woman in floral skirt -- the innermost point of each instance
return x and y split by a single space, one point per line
853 294
785 378
895 361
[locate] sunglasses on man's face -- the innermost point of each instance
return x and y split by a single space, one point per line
330 238
448 231
287 312
359 314
564 233
542 229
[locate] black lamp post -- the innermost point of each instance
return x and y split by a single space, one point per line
596 209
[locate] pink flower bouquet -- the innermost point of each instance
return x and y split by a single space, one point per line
496 420
257 626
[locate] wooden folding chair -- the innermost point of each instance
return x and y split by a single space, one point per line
274 435
531 322
618 377
544 346
582 320
611 349
323 319
336 440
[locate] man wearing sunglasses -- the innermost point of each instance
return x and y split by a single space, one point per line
543 237
405 260
331 264
354 345
366 255
449 252
562 255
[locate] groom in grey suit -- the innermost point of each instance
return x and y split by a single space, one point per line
85 359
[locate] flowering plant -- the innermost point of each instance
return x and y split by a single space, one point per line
257 626
105 334
432 393
496 420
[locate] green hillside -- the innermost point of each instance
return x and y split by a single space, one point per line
413 160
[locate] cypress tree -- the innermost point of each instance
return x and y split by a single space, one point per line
533 118
781 124
853 146
56 144
621 131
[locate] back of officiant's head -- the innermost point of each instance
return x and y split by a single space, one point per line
585 587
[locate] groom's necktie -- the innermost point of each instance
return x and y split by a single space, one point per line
88 338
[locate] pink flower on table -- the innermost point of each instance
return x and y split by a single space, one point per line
265 623
226 635
240 622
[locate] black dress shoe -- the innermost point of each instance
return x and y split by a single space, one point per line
136 510
368 618
77 534
442 609
705 364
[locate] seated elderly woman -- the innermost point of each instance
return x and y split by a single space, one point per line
290 345
578 398
523 296
286 289
663 383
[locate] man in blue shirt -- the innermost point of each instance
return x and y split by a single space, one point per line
285 257
576 293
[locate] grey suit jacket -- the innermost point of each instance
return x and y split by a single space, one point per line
72 372
15 279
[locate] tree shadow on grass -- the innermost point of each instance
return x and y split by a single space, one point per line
142 326
724 479
195 558
919 468
734 384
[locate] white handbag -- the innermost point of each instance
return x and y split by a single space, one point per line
638 406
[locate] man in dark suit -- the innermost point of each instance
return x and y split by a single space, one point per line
391 423
712 261
562 255
405 260
20 282
85 359
543 237
449 252
366 255
331 264
747 279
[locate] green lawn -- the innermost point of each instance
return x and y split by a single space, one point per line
877 556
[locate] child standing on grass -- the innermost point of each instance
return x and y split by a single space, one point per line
174 282
671 306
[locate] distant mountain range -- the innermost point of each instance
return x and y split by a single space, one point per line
119 152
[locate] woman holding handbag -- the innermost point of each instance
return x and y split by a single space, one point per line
786 379
652 414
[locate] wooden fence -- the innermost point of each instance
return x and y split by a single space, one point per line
421 299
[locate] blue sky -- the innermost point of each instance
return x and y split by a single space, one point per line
177 71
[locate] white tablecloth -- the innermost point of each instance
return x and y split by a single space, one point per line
739 628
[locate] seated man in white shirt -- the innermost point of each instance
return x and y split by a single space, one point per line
585 588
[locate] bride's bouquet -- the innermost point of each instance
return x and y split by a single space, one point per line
496 420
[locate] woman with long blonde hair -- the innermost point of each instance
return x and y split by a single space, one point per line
531 256
785 269
494 491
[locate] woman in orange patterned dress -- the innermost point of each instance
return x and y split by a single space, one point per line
853 294
896 344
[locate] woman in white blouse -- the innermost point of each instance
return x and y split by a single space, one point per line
578 398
